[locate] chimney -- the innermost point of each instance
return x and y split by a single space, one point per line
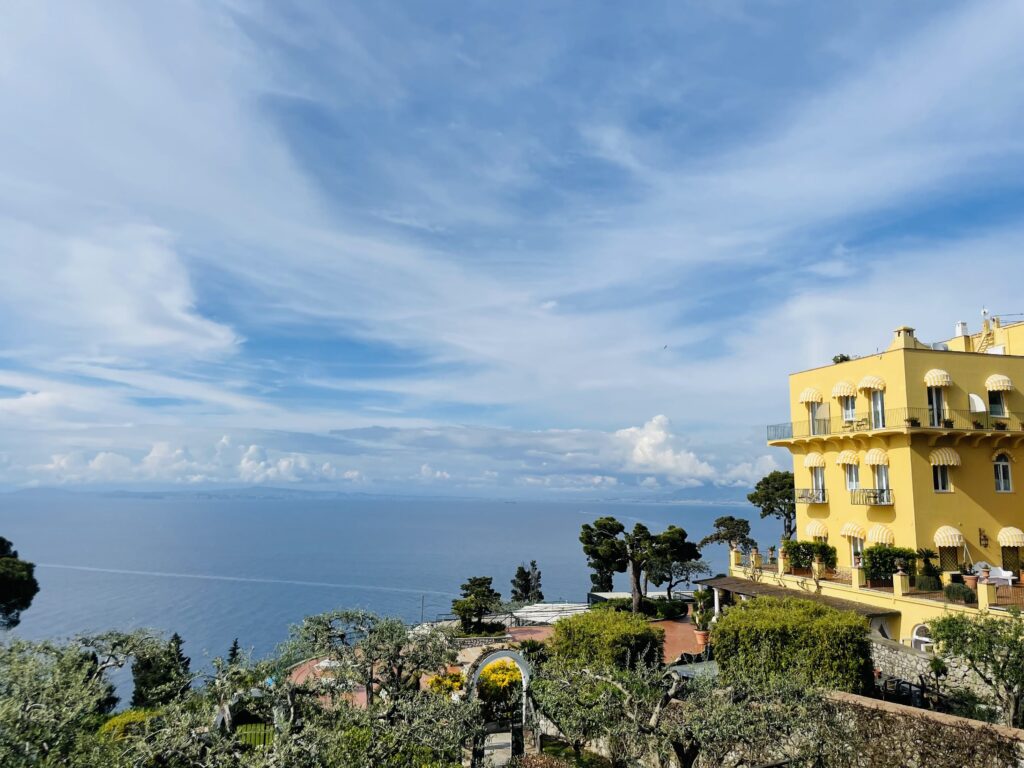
904 338
961 329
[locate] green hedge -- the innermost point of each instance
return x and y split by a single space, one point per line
960 593
661 609
802 553
607 638
880 561
800 639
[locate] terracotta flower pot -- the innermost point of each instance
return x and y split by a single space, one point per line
971 581
702 636
984 574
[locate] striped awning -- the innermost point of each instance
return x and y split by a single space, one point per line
810 395
872 382
948 536
814 459
853 531
880 534
876 456
937 377
944 457
1003 452
848 457
817 529
844 389
1010 537
998 383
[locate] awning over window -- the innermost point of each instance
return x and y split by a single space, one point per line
880 534
948 536
810 395
853 531
937 377
817 529
877 456
944 457
1010 537
998 383
844 389
814 459
872 382
848 457
1003 452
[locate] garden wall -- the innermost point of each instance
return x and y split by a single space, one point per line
909 664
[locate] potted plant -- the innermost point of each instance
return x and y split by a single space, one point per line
947 423
977 424
913 421
1001 425
701 613
970 577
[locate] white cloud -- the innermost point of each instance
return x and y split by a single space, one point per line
654 448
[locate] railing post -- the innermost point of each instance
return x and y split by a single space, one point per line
986 595
817 568
900 584
735 558
755 558
857 580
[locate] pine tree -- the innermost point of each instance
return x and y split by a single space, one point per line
234 651
521 584
535 595
160 674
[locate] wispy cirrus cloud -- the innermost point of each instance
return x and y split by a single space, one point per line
518 234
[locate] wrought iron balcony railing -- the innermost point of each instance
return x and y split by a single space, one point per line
897 419
878 497
811 496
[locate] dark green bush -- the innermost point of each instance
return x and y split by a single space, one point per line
802 553
800 639
608 638
928 584
661 609
880 561
960 593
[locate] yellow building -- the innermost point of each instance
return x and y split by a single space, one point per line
917 447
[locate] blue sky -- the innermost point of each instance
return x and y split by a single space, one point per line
485 248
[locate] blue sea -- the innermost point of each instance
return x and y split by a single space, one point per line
219 566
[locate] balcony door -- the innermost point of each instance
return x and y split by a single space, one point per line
936 405
882 483
877 409
818 484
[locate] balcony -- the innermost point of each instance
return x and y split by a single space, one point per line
897 420
872 497
811 496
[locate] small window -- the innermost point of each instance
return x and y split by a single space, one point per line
940 479
1011 559
996 404
949 558
1002 471
852 477
921 639
849 408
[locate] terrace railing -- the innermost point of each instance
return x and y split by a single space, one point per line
898 419
811 496
875 497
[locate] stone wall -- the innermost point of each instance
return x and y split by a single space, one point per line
909 664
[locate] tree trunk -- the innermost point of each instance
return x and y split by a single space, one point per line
634 578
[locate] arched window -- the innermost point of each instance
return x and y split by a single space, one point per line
1002 471
921 639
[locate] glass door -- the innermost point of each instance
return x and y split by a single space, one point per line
877 409
935 406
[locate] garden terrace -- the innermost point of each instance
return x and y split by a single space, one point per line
748 588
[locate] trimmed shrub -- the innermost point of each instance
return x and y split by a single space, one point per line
928 583
801 554
609 638
880 561
661 609
131 722
799 639
960 593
